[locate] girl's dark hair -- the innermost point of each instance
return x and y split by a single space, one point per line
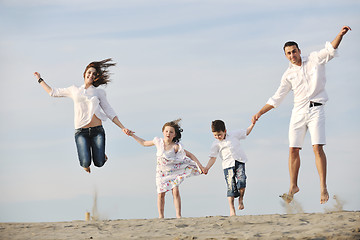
218 126
175 124
102 74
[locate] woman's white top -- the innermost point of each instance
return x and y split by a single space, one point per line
87 102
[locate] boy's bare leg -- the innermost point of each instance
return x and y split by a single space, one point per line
294 166
241 198
87 169
320 160
177 201
232 207
161 204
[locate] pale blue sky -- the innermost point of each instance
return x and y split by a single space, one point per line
198 60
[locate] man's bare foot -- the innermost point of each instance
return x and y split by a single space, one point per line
287 197
324 196
87 169
293 190
241 204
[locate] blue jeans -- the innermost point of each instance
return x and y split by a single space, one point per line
90 143
235 178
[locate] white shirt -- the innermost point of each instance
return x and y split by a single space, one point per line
306 81
229 149
87 102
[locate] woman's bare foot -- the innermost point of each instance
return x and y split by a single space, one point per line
241 203
324 196
87 169
106 158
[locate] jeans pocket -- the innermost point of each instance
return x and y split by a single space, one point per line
77 131
101 130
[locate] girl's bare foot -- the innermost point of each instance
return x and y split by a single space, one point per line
87 169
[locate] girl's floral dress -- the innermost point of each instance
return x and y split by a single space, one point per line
172 168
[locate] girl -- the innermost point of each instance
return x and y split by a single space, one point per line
89 100
174 163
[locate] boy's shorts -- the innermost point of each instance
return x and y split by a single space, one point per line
314 121
235 178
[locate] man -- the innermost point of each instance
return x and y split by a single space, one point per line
306 78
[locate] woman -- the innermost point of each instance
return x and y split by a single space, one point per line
89 100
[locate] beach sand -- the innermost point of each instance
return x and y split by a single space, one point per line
320 226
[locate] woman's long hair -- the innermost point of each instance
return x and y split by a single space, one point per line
102 73
175 124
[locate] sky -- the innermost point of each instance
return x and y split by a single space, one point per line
192 59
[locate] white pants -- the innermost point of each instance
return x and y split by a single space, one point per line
314 121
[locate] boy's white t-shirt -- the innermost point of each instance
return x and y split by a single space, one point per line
229 149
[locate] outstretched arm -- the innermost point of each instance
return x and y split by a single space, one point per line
250 128
262 111
210 164
192 157
142 141
336 42
46 87
119 124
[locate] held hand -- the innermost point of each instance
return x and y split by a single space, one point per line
202 169
255 118
205 171
37 75
128 132
344 30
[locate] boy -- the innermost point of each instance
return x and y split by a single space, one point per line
227 146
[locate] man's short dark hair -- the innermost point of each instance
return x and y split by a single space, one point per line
290 43
218 126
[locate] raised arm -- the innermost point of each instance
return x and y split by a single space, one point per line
336 42
142 141
46 87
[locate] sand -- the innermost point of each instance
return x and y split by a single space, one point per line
319 226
